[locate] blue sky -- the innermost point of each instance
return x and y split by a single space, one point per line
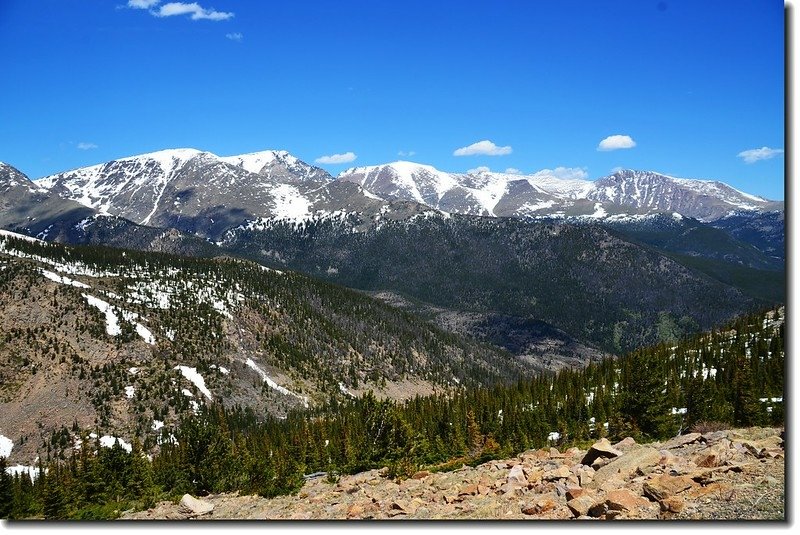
688 86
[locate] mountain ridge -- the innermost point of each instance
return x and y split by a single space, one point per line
275 184
545 194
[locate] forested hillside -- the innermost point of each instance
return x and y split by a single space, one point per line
128 341
733 375
583 279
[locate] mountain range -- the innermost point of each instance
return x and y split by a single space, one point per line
266 283
544 194
422 234
203 193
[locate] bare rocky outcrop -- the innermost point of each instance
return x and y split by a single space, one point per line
644 482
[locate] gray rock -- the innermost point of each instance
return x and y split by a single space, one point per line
601 448
681 440
626 465
194 506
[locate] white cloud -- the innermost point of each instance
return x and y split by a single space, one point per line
754 155
513 171
85 145
565 173
617 169
171 9
337 158
481 169
616 142
484 147
235 36
406 153
142 4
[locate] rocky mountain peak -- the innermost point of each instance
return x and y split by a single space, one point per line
11 177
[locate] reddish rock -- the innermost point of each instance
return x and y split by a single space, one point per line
612 483
575 492
673 504
707 460
572 452
542 505
624 500
663 486
355 511
533 475
422 474
581 505
469 490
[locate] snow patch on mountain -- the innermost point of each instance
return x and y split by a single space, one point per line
20 469
6 445
63 280
272 384
112 321
254 162
108 441
9 234
192 375
290 203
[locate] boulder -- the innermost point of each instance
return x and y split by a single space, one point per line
626 465
585 476
469 490
625 444
533 475
355 511
624 500
707 459
581 505
194 506
673 504
601 448
512 487
517 474
681 440
562 472
663 486
714 436
540 506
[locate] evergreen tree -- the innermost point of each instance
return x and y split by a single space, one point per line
6 490
54 502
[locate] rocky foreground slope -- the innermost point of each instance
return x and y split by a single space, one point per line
736 474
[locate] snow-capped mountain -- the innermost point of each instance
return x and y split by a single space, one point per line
205 194
28 207
278 164
706 200
546 195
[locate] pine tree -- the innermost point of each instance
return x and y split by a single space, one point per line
53 499
474 436
746 409
6 490
644 396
